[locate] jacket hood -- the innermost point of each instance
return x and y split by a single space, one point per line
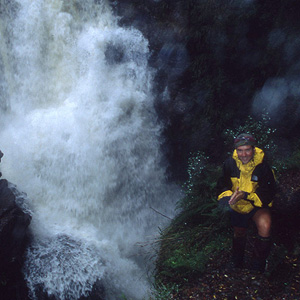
257 159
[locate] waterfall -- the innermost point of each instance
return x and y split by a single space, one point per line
81 139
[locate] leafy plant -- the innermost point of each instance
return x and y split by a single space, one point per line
199 205
163 291
193 258
291 162
201 180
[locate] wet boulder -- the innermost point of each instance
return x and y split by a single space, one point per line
14 224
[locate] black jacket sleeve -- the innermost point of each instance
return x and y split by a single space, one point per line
224 183
266 189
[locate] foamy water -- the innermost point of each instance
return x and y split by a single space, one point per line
81 138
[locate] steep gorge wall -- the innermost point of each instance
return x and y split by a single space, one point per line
218 62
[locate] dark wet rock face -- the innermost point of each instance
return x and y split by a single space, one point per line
14 224
14 239
286 210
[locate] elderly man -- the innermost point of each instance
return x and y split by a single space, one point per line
247 186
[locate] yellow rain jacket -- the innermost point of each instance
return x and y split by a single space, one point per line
255 178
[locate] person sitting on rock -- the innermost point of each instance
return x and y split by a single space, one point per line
248 187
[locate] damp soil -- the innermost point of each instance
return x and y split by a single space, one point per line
222 282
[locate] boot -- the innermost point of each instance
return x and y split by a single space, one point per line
238 251
261 251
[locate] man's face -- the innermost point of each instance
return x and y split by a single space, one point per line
245 153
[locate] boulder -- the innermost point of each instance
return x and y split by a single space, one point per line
14 224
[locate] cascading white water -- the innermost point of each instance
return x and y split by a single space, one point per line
80 137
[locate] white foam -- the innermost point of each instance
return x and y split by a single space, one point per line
80 137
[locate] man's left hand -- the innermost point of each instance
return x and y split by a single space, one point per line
236 196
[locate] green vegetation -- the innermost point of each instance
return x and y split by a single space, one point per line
197 234
164 291
293 161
